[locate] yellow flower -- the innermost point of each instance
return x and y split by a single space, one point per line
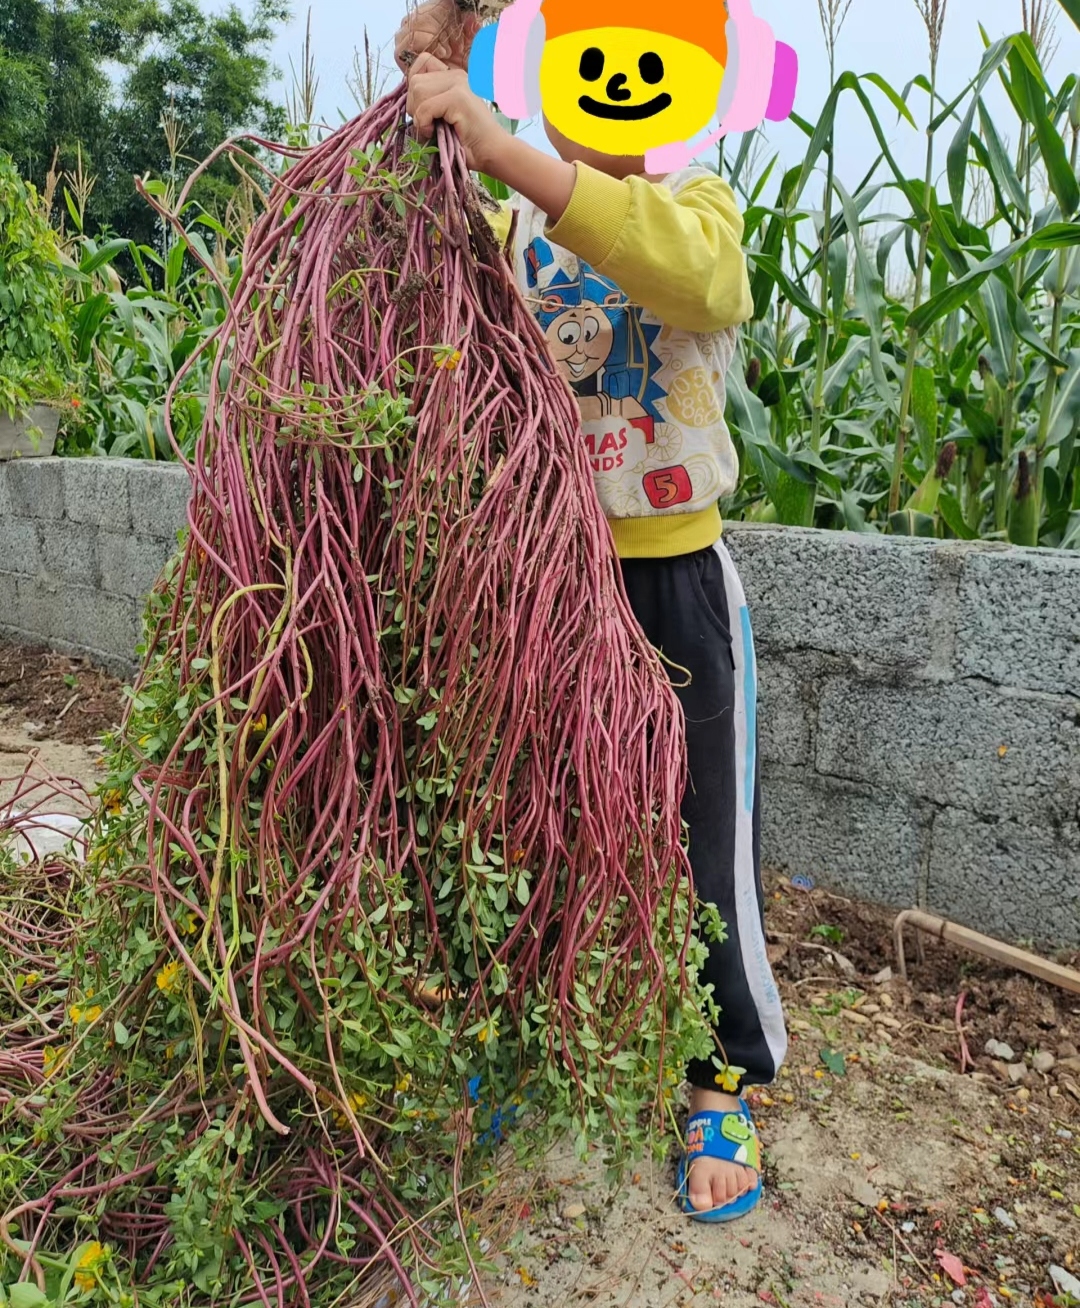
191 925
728 1079
88 1264
30 979
75 1013
403 1084
50 1057
168 979
357 1102
113 802
490 1031
259 724
447 358
90 993
92 1014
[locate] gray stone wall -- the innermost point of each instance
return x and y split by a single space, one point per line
82 541
920 700
920 722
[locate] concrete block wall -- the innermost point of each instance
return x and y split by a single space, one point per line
920 722
82 542
919 700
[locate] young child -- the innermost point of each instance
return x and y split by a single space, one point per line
640 283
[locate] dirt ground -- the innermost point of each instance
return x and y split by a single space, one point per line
892 1179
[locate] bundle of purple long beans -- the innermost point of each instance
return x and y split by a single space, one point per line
396 804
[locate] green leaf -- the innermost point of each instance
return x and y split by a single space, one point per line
1072 8
1053 236
834 1062
27 1295
953 517
121 1034
924 408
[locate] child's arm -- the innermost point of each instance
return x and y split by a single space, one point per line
680 256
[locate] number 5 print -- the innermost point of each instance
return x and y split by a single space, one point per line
668 486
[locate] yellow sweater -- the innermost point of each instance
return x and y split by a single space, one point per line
640 288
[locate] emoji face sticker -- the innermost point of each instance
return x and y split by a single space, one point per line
633 77
624 90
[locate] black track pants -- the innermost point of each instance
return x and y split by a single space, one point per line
692 608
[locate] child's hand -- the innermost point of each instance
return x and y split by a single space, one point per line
437 27
436 91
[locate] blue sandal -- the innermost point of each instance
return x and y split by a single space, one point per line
500 1119
733 1138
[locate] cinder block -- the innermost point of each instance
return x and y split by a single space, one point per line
7 507
20 545
36 487
860 842
158 494
785 706
69 551
864 596
989 750
93 620
9 599
130 565
1018 619
1006 878
38 607
96 492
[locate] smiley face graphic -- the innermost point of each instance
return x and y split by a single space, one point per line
625 90
580 338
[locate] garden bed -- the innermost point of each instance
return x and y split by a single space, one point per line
871 1172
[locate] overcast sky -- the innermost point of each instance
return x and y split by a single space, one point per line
888 38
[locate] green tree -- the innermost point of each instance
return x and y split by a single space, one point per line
97 78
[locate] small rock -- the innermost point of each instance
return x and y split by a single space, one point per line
864 1193
1024 1094
1063 1133
1043 1061
959 1296
1017 1072
880 978
886 999
1005 1219
870 1009
998 1049
1067 1050
1068 1066
883 1019
574 1211
1001 1069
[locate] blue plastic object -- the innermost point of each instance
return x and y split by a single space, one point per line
482 63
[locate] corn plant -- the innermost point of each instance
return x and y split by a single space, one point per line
945 400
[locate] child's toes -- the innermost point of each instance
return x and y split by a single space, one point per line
701 1186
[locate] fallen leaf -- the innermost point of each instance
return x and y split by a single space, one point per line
834 1062
1065 1282
951 1266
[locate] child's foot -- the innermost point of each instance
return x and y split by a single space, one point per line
713 1182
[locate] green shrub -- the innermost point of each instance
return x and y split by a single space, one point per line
35 339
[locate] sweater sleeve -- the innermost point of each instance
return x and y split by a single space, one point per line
678 255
